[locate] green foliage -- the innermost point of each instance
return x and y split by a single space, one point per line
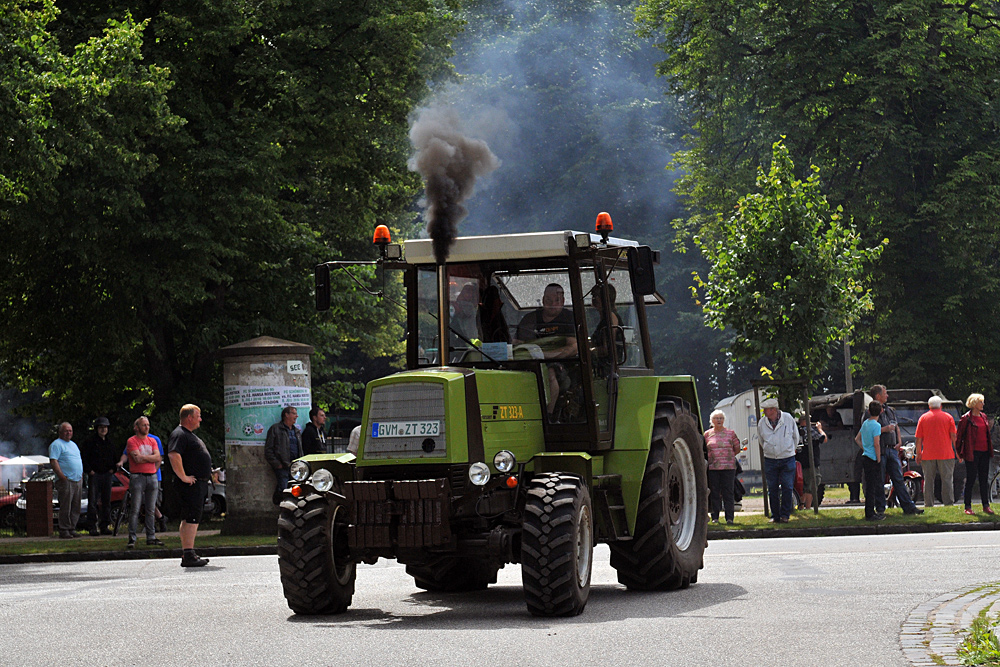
183 171
786 272
896 102
980 646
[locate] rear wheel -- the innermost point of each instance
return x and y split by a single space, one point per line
317 574
557 544
671 525
451 574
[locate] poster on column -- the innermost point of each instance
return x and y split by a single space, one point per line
250 410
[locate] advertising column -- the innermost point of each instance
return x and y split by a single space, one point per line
261 377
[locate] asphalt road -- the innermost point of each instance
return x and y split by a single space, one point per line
812 601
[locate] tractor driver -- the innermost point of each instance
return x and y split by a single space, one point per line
553 329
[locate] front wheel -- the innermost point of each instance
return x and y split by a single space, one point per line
557 545
671 525
317 574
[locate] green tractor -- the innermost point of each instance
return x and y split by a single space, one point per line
528 426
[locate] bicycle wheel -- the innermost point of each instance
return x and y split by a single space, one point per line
121 516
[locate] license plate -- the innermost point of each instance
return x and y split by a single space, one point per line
405 429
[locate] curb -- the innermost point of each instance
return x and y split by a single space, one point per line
852 531
145 554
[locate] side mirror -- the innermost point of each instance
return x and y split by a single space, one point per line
322 287
640 264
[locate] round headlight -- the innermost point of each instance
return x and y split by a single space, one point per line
299 470
504 461
479 473
322 480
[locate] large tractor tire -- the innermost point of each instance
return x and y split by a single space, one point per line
557 545
317 574
671 527
451 574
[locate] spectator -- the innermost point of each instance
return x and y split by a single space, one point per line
64 455
99 456
778 437
936 451
144 461
810 483
723 445
192 464
281 447
890 441
871 458
313 436
974 447
161 519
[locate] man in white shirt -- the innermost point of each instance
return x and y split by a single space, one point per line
779 436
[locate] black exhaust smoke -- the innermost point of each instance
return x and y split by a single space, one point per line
449 163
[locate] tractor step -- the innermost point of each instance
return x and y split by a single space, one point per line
610 509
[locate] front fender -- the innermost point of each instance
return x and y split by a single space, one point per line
340 466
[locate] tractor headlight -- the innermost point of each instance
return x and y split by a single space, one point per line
479 473
299 470
322 480
504 461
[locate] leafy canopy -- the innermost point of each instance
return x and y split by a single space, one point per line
786 272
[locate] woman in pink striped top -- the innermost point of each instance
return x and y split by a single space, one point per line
723 446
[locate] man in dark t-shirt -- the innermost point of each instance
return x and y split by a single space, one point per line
192 464
553 329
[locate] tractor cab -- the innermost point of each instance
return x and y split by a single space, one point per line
568 307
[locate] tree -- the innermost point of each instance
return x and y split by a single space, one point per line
281 139
786 273
896 103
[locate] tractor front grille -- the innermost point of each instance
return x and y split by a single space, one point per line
406 403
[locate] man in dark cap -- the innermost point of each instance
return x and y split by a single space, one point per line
100 457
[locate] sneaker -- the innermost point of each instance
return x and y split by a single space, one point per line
64 535
194 561
877 517
155 542
988 510
915 510
970 512
131 543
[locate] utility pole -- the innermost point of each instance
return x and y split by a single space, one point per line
847 366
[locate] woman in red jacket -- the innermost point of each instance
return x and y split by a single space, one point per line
973 445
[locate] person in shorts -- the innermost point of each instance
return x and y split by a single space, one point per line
192 464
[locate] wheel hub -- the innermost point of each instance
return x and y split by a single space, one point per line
584 546
682 500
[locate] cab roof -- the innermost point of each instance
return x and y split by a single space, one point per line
503 246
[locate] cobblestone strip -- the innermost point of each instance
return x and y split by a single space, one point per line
932 633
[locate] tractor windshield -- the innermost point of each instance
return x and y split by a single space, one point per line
498 316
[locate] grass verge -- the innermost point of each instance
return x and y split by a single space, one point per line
54 545
852 516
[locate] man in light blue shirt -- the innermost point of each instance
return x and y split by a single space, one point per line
871 459
65 458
